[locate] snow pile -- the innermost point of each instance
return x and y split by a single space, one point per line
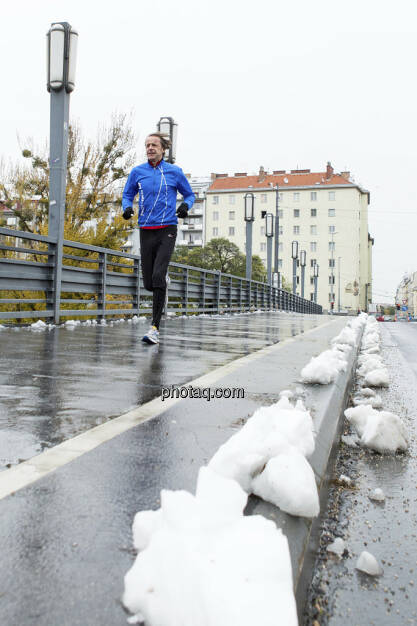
337 547
346 336
377 495
39 325
267 457
72 323
367 563
2 327
203 563
324 368
379 430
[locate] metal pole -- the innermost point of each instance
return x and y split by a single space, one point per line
57 183
332 276
303 269
276 260
269 260
294 276
338 286
248 250
315 289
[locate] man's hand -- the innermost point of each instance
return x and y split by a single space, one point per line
182 210
127 213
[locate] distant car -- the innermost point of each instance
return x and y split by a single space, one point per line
388 318
380 318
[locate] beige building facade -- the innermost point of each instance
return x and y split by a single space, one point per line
325 212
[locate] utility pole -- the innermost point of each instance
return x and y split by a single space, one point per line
276 257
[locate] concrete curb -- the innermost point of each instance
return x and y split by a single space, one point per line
326 404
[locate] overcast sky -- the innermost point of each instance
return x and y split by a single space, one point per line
271 83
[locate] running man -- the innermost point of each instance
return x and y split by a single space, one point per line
156 183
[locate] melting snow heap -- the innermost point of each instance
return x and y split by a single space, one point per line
381 431
203 563
324 368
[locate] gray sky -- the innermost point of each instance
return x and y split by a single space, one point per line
271 83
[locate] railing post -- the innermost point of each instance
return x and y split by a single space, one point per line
230 292
203 290
240 295
186 290
103 282
219 282
136 295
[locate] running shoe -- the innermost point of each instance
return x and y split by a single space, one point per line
152 336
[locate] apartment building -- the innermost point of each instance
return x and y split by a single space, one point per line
406 295
191 229
325 212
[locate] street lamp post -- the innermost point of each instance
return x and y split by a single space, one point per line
269 232
338 285
169 127
61 52
249 218
294 254
316 276
276 255
303 268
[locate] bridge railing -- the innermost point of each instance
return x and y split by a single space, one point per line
100 282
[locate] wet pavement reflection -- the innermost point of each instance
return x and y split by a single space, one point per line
56 384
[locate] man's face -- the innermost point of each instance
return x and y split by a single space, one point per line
154 149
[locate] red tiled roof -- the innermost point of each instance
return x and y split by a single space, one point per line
283 180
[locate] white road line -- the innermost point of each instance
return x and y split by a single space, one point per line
27 472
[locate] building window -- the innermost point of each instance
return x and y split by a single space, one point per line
331 280
262 231
280 262
298 280
231 231
332 195
332 229
215 232
332 212
280 214
215 216
281 230
311 280
313 230
280 196
296 196
312 297
332 262
332 246
313 212
215 199
296 212
232 199
313 262
281 246
331 297
231 215
313 246
313 195
296 230
263 246
263 198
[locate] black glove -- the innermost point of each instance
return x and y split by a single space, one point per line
182 210
127 213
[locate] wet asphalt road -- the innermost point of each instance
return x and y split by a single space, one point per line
388 530
56 384
65 540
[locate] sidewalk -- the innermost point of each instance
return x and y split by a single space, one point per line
66 541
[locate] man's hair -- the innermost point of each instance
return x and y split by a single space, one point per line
165 140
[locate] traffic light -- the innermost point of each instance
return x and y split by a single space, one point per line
332 305
398 307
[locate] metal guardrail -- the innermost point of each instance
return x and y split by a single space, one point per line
99 282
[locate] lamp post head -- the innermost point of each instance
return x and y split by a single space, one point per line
294 249
168 126
269 225
61 57
249 207
303 258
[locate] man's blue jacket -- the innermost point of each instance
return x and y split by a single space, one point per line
157 189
